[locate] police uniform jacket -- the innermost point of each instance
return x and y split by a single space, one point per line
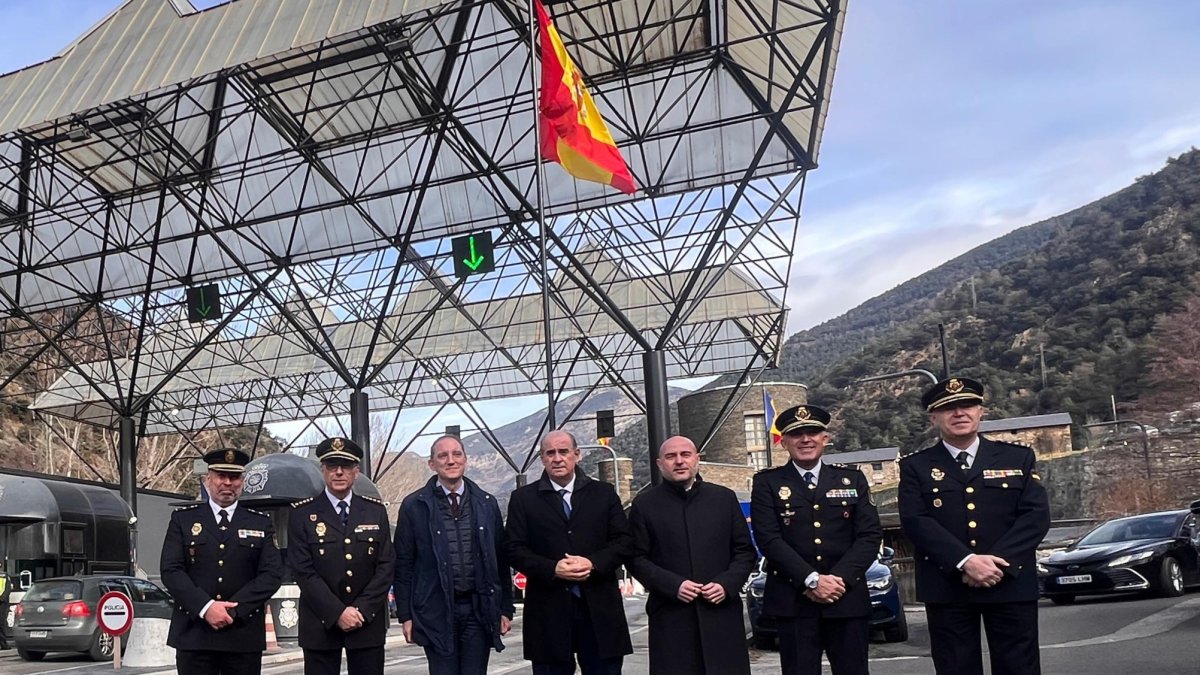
998 507
200 562
832 529
338 567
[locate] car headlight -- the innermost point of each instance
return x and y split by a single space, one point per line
1131 558
880 584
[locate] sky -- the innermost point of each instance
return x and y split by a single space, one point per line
951 123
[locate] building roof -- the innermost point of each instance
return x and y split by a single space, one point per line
1030 422
863 456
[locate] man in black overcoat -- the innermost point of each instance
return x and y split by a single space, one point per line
818 528
692 551
568 534
975 510
341 554
221 566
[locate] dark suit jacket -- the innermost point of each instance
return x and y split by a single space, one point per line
539 535
825 530
338 567
201 563
999 507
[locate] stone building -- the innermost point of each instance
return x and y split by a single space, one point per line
740 438
879 465
1048 435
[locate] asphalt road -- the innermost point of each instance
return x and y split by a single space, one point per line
1094 637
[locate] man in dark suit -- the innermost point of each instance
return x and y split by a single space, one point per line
220 564
975 511
568 534
341 555
818 528
453 584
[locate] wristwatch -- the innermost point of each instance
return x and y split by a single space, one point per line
812 582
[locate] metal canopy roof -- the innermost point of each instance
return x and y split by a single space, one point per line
315 157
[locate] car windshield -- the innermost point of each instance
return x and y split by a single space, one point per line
1160 526
54 591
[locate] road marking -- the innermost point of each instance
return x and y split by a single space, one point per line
63 670
507 669
1158 622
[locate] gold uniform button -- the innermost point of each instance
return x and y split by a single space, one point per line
816 523
218 596
349 590
350 557
349 573
220 563
816 507
972 542
935 489
970 507
818 558
816 541
843 503
1004 485
347 541
221 546
971 524
970 490
220 579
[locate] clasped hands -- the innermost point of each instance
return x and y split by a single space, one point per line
830 588
690 590
351 619
217 615
983 571
573 568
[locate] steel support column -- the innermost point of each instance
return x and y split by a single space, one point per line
127 434
658 406
360 427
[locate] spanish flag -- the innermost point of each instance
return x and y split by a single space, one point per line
572 131
769 413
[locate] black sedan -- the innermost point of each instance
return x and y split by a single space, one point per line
1155 552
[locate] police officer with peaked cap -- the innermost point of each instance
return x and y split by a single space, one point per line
818 528
341 555
220 564
975 510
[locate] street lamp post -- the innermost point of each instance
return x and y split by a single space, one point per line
1141 428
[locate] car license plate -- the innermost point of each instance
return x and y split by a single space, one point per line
39 633
1077 579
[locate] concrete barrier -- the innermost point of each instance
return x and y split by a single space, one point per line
147 644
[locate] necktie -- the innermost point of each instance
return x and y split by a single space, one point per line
575 590
964 460
344 512
810 480
454 510
224 519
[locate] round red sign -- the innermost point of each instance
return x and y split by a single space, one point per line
114 613
519 581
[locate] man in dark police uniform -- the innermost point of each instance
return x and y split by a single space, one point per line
975 511
818 528
220 564
341 555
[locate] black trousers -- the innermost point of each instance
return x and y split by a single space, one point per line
585 647
472 644
844 641
209 662
365 661
1012 635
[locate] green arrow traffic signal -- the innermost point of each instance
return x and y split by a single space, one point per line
473 254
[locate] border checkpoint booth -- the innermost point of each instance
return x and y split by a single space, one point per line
53 528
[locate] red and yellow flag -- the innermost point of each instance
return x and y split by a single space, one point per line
573 133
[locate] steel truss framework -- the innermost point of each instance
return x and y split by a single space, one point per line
320 185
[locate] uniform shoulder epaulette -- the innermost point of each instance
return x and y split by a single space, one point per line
1014 444
372 499
838 466
914 453
188 507
302 502
257 513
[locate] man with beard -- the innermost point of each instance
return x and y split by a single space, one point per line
817 525
568 534
220 564
341 555
975 511
692 551
453 584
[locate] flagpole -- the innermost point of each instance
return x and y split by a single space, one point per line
539 215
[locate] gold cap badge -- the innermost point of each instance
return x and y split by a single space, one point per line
802 413
954 385
229 457
337 444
